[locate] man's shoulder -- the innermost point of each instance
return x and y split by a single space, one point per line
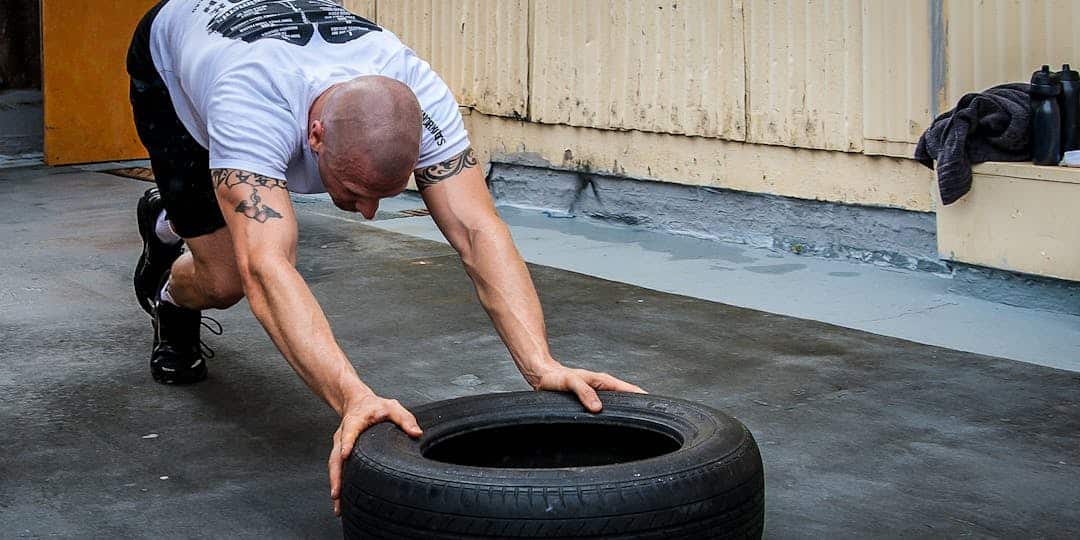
253 83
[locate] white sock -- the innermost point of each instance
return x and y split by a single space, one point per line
165 296
164 230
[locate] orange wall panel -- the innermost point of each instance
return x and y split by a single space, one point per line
85 82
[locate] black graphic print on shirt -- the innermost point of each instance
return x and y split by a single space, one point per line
292 21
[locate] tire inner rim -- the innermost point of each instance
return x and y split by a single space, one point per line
552 445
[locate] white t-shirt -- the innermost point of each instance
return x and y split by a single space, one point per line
242 75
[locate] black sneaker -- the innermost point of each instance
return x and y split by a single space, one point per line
179 357
157 256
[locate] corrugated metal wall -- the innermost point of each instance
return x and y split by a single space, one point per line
480 47
804 73
1000 41
847 75
363 8
896 75
670 67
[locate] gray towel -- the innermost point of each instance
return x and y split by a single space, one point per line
993 125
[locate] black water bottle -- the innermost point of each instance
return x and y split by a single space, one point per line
1045 118
1069 103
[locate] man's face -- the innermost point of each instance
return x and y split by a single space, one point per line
348 186
355 196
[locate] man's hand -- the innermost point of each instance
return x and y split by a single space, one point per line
584 384
357 417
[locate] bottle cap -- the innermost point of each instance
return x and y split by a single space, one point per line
1067 74
1045 83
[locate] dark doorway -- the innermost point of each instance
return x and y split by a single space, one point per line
20 82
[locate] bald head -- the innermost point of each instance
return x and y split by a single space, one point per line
368 136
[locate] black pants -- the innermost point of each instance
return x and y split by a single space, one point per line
181 165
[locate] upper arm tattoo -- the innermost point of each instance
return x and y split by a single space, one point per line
251 206
429 176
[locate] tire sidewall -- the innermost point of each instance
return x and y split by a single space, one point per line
389 466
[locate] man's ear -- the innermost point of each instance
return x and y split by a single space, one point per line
315 135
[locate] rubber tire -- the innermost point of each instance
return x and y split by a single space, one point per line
712 486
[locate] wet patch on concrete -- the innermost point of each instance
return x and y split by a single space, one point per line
676 247
775 268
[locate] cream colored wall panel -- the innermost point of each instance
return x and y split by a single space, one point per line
479 47
804 60
990 42
672 67
843 177
896 75
1016 217
363 8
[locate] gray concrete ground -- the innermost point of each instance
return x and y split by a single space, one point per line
863 435
914 305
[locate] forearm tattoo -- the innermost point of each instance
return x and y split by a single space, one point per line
252 206
434 174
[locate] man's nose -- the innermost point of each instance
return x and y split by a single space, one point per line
367 207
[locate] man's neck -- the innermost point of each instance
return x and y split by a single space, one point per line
315 112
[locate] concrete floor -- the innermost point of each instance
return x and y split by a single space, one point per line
863 435
913 305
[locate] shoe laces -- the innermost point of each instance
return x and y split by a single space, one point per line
216 329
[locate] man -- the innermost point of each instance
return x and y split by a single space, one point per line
239 102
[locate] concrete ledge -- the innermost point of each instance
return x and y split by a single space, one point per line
885 236
1018 217
1015 289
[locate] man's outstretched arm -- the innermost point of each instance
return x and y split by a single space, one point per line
459 201
263 227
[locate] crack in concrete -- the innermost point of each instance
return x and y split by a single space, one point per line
908 312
